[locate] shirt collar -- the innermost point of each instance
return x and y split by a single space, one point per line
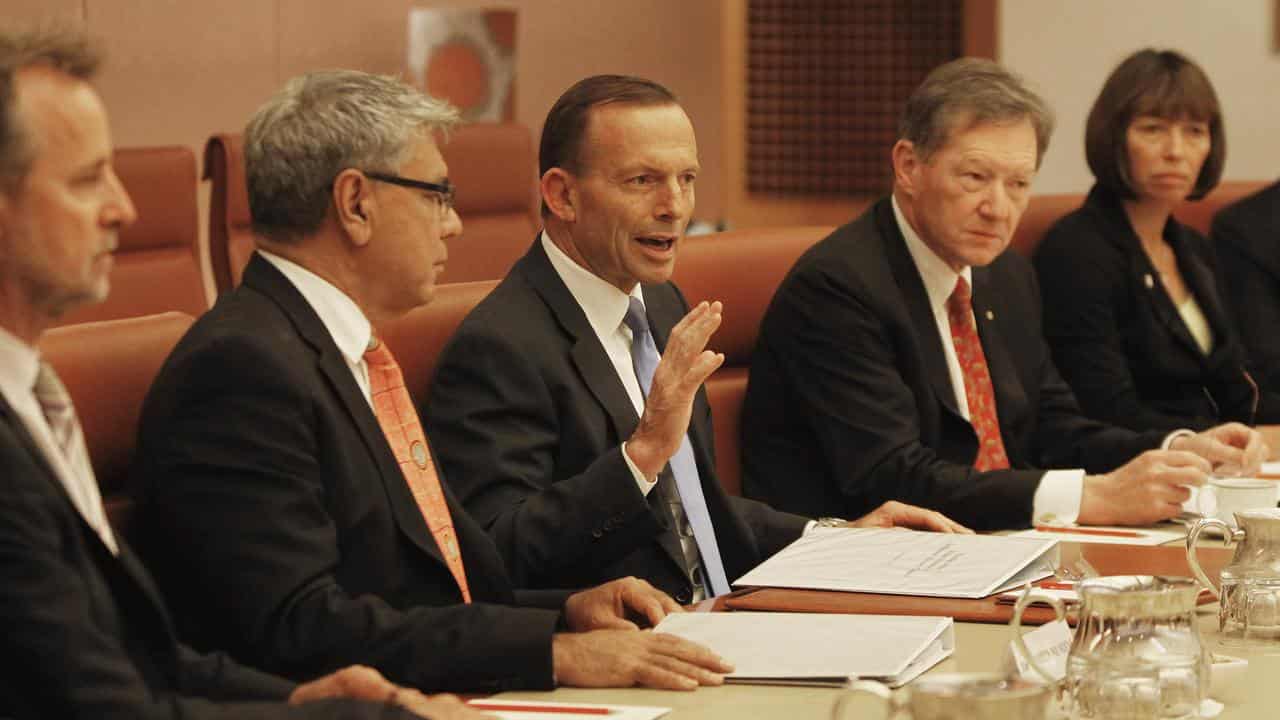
21 364
350 329
939 278
604 305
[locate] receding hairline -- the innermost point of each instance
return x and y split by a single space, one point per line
591 125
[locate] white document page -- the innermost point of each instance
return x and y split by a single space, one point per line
905 562
818 648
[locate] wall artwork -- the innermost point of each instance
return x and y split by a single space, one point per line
466 56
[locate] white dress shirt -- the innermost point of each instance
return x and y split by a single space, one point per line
1058 496
19 365
346 323
1197 323
605 306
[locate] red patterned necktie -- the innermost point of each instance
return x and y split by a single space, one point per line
977 380
399 422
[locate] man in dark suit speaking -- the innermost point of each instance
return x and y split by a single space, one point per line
293 503
584 455
83 632
902 357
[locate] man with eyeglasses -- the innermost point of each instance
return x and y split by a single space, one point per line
292 505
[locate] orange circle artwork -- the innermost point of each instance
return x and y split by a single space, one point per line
457 72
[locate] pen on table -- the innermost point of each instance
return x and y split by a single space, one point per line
562 709
1089 531
1056 585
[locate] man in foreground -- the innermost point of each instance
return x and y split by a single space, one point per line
82 631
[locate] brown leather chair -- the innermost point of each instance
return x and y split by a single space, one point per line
157 262
108 368
417 339
1041 213
230 227
494 167
741 269
1199 214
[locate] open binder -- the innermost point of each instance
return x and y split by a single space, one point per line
905 562
816 648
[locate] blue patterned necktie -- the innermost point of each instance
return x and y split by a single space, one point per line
644 357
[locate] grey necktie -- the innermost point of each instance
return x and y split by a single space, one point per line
687 503
60 414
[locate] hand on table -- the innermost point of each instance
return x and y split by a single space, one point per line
612 605
896 514
1144 491
358 682
1232 449
624 658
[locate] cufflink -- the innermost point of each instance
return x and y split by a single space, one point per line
1149 281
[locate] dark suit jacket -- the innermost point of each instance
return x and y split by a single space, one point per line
850 403
281 527
1117 336
83 632
529 416
1246 236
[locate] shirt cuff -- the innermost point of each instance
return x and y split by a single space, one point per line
642 482
1057 500
1168 439
809 526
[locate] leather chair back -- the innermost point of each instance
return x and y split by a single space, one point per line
230 225
1041 213
494 167
1199 214
742 269
418 338
108 367
157 262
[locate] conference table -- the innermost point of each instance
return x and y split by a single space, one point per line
980 647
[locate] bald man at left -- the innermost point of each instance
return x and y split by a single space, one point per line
83 633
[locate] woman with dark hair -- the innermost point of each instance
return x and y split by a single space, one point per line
1132 310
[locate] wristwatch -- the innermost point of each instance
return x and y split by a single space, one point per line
830 522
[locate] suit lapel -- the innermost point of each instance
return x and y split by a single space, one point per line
125 564
262 276
597 371
588 355
1120 233
907 277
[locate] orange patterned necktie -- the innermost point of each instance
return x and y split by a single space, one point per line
399 421
977 380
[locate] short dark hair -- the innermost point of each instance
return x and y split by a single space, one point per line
566 123
972 91
1163 83
57 47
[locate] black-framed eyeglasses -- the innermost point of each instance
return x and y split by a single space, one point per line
445 191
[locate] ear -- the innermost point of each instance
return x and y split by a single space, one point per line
906 165
559 192
354 205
